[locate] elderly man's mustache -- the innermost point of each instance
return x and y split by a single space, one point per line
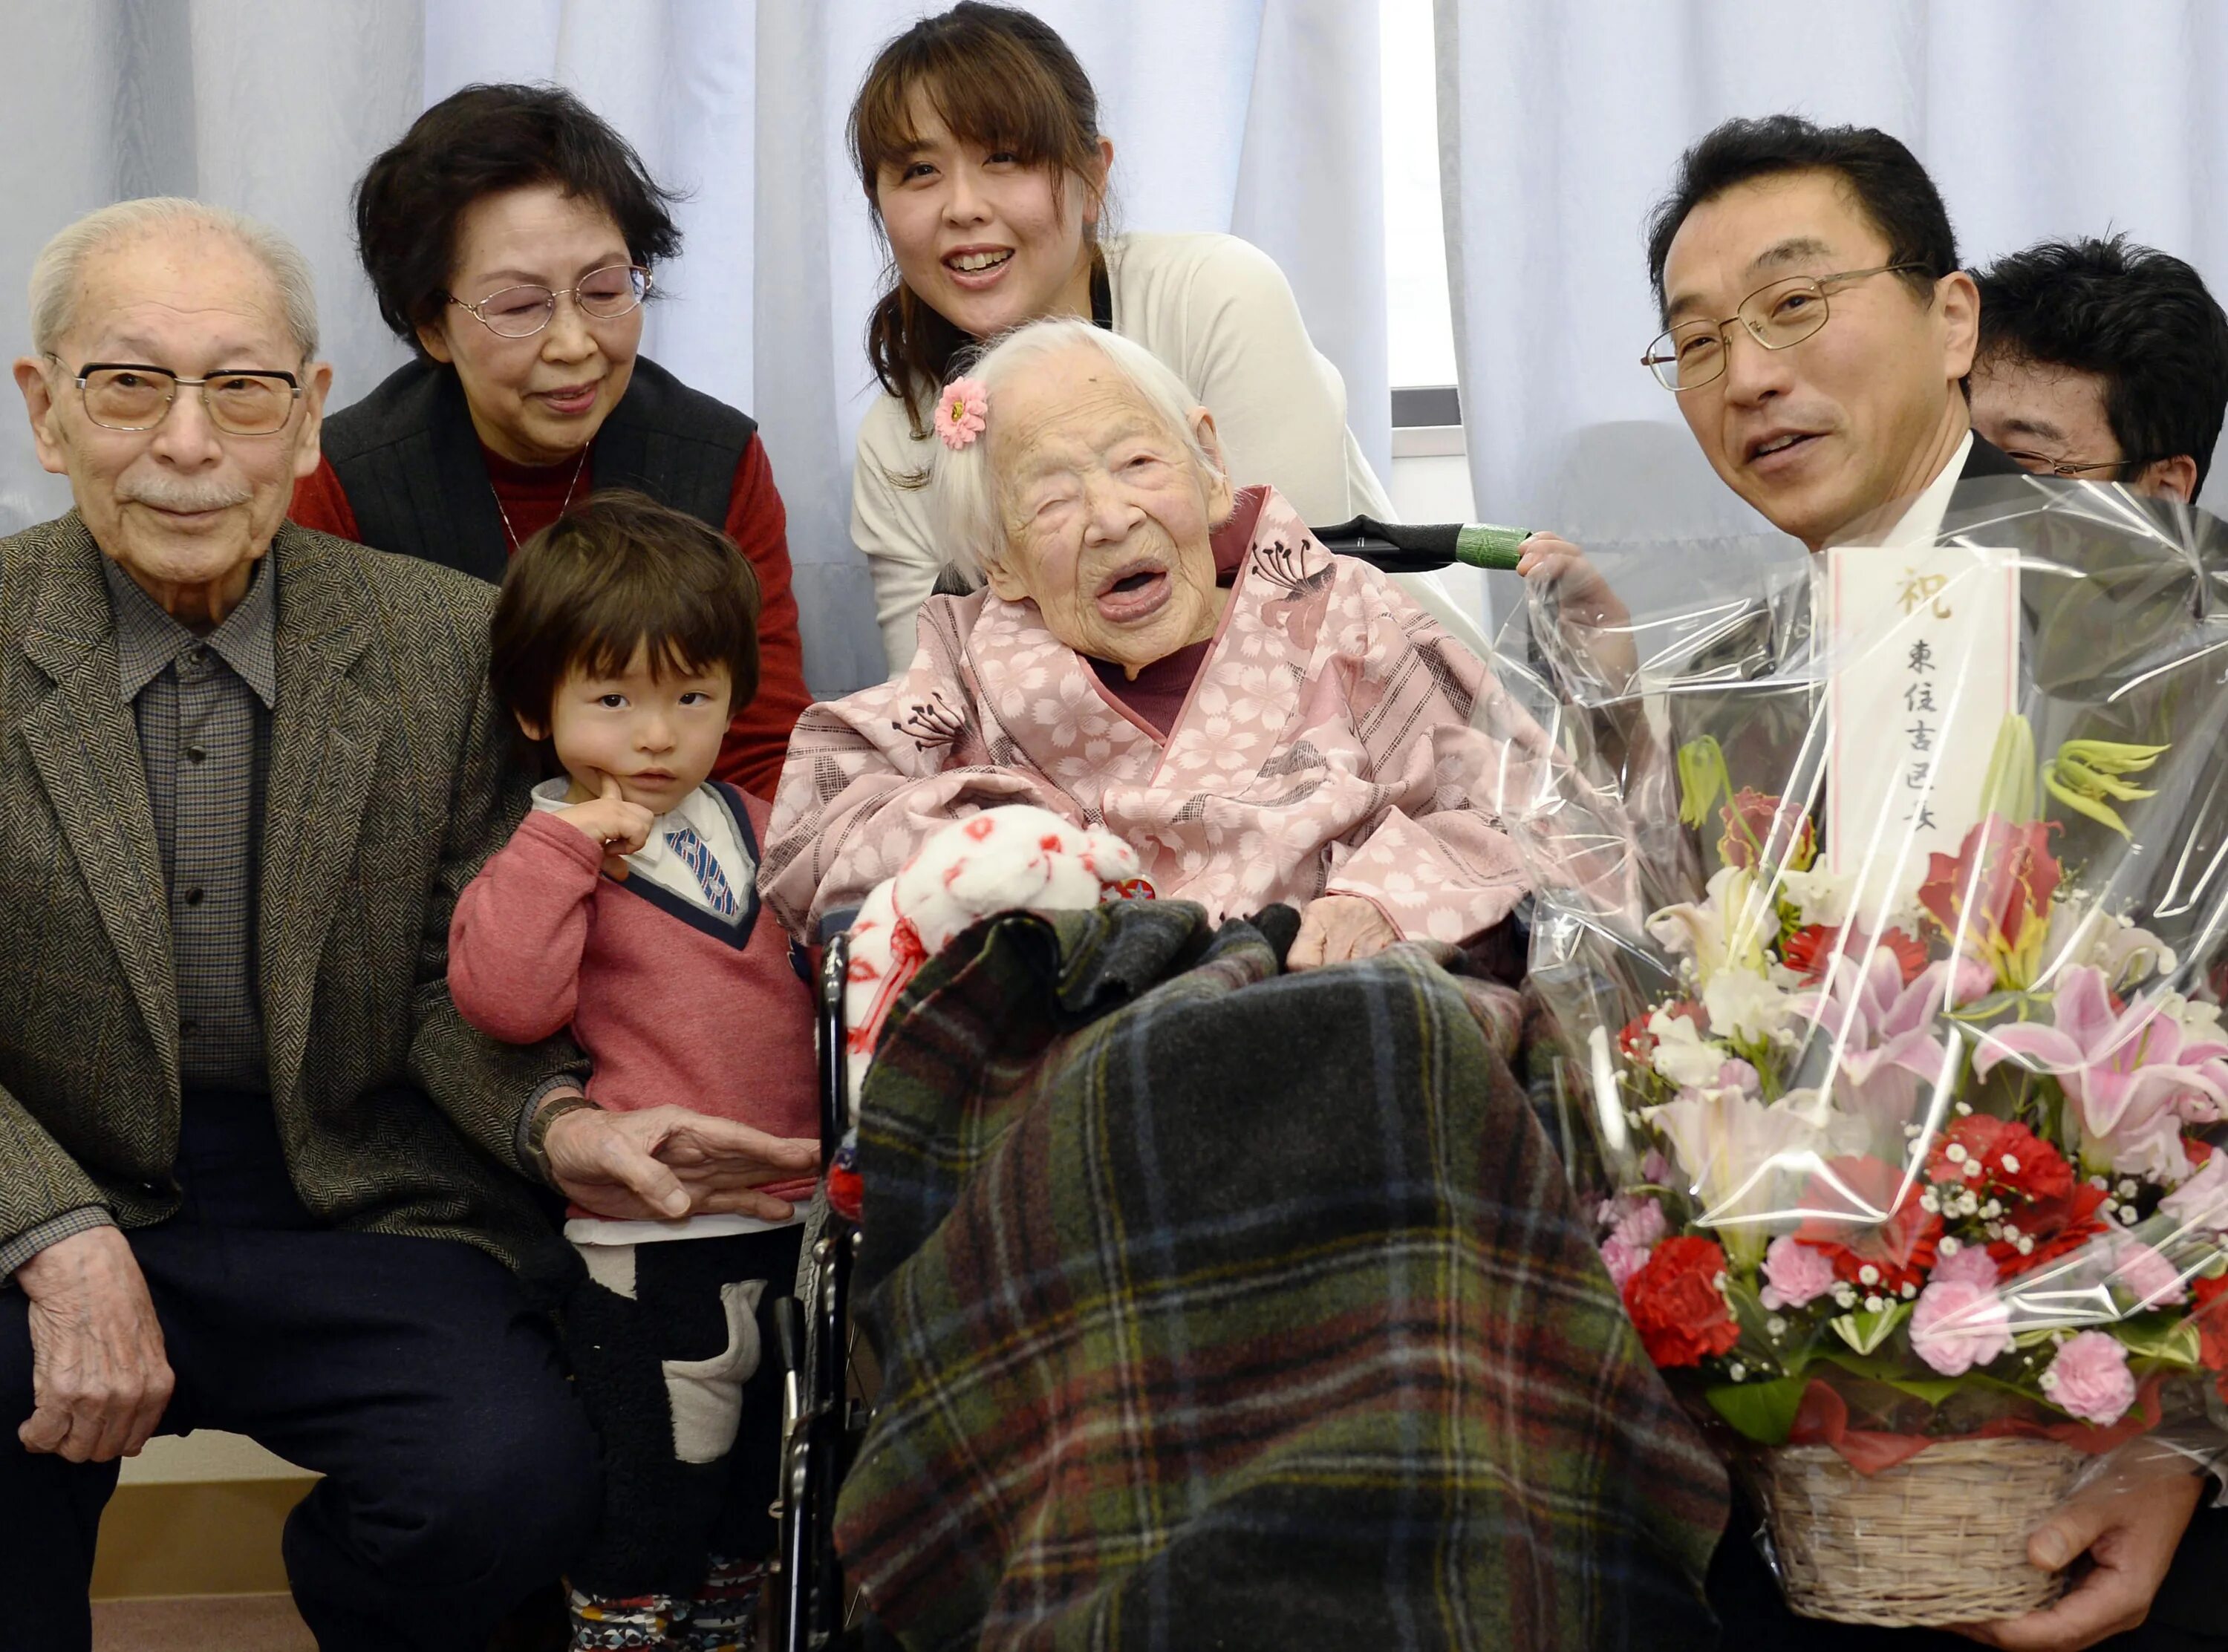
179 494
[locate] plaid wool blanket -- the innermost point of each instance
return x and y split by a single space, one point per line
1222 1308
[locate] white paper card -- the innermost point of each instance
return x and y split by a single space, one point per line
1924 663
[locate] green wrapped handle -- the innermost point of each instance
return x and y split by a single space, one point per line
1420 547
1482 544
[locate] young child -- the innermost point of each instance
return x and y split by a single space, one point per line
627 906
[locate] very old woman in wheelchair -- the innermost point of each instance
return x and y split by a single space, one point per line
1162 652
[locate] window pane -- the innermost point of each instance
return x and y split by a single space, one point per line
1420 336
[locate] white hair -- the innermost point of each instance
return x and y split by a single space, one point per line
963 484
59 272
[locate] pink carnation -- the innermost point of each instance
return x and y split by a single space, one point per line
961 412
2148 1276
1643 1227
1958 1324
2200 1205
1793 1273
1622 1261
2089 1378
1971 1265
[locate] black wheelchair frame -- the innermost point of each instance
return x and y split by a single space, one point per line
822 1423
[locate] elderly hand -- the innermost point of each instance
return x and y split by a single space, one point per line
664 1163
100 1378
2130 1540
620 826
1338 928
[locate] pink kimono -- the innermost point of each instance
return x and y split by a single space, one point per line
1325 748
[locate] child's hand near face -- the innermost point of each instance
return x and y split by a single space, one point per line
620 827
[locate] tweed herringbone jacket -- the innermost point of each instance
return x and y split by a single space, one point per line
389 782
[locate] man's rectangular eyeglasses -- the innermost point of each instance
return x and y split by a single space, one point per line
2043 465
520 312
1784 312
132 396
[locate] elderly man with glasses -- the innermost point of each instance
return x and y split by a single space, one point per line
256 1174
1818 336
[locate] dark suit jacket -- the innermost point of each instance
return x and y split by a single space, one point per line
390 781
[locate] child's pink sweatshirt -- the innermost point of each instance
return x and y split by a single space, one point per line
671 1004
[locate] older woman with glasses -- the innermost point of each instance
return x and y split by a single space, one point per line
510 237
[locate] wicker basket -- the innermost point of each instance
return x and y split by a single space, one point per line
1940 1539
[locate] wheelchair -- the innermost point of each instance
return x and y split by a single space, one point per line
825 1412
822 1419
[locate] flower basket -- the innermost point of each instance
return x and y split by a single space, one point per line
1890 1021
1938 1539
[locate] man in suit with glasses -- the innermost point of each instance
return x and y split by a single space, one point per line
1818 336
256 1173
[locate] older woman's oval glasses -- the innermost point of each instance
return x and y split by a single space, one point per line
1783 312
520 312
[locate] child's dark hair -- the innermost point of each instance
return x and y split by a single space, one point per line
619 573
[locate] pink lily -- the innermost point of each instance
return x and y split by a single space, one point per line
1877 1022
2125 1071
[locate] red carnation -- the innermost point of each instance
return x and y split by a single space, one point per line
2015 1163
1899 1247
1676 1303
1809 949
2209 1308
2058 1226
1910 953
1639 1044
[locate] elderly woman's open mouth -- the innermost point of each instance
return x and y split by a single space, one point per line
1134 591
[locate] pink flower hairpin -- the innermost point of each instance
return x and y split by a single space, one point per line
960 411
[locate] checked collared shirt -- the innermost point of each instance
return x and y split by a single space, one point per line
202 706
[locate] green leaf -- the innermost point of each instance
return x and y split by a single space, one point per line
1891 1373
2170 1338
1763 1411
1865 1331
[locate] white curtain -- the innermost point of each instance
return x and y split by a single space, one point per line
1255 116
1560 125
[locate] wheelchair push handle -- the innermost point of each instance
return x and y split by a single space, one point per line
1421 547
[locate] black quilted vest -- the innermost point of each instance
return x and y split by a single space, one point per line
409 460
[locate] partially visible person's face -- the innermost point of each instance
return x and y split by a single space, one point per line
185 508
1823 433
1107 516
2043 415
657 732
984 241
537 400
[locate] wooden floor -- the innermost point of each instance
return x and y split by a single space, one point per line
208 1623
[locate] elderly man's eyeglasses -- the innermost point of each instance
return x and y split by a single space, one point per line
132 396
2043 465
1786 312
520 312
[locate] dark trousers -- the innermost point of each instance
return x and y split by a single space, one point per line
656 1362
411 1373
2189 1614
